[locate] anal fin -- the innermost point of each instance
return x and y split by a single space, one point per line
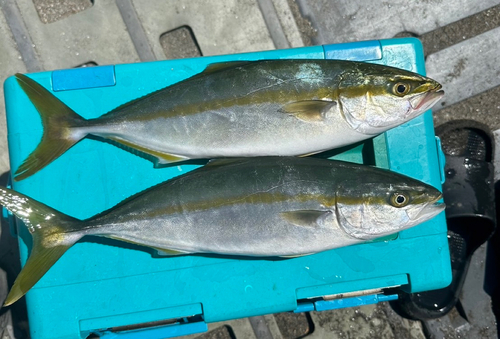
162 158
167 253
164 252
295 256
309 154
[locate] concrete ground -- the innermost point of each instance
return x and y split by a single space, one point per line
461 40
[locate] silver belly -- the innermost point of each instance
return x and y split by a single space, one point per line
237 131
254 230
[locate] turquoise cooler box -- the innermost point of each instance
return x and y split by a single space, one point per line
114 289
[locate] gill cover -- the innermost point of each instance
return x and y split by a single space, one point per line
373 102
365 211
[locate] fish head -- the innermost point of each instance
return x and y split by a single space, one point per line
375 98
377 204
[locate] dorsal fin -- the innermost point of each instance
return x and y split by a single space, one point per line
220 66
224 161
211 68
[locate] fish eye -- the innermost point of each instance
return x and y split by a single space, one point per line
401 89
399 200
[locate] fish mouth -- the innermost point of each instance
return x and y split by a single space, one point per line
430 210
425 101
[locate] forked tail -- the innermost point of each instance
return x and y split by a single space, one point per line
59 128
53 233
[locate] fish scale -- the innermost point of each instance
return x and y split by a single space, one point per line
267 206
242 109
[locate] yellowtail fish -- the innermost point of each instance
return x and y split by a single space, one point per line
243 109
269 206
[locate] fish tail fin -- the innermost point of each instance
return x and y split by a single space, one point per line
53 234
60 127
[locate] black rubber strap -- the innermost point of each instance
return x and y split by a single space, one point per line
469 188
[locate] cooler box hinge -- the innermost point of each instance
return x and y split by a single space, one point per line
152 324
181 327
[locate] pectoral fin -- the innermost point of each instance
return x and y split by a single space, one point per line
305 218
162 158
308 110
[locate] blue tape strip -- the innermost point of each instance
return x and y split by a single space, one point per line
382 297
168 331
85 77
304 307
354 51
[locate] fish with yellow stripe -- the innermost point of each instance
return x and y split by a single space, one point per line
242 109
268 206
